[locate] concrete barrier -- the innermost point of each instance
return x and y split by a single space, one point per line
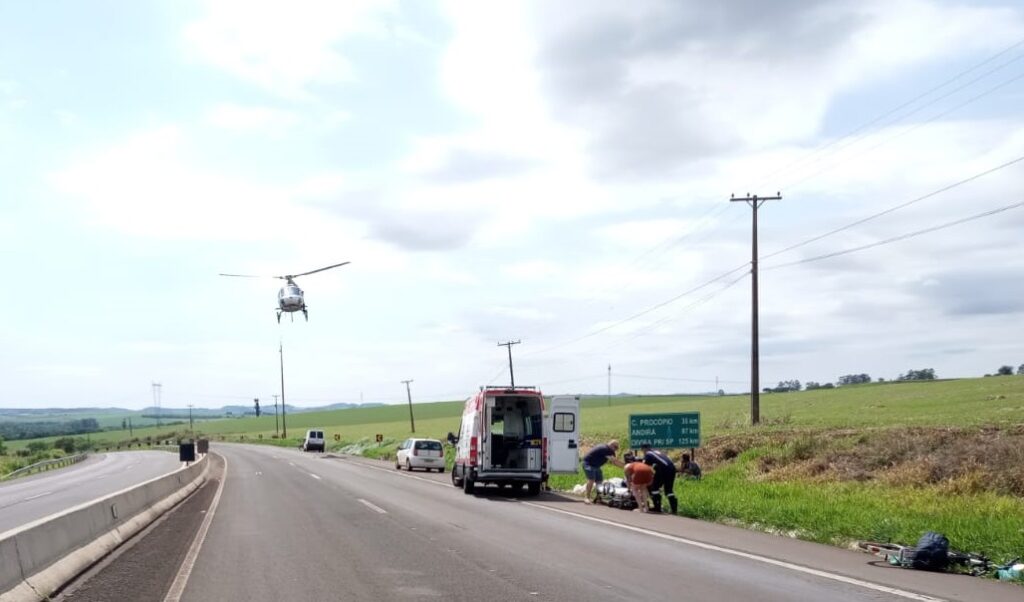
38 558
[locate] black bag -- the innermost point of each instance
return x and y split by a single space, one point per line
931 553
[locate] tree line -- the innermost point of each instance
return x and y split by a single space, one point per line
786 386
12 431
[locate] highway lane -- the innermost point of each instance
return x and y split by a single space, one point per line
29 498
297 526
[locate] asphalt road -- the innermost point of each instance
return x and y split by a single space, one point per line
29 498
293 526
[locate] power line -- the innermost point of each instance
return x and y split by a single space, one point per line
872 122
868 124
916 126
931 194
644 312
688 380
900 237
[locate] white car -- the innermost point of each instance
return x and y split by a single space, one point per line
420 453
314 441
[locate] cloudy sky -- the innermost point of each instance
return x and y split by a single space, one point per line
556 173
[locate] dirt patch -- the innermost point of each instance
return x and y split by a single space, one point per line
961 460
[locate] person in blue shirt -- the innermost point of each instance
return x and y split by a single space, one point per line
664 477
592 463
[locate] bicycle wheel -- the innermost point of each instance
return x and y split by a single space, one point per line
880 549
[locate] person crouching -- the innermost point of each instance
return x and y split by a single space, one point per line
639 477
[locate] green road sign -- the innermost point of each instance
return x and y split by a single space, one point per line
665 430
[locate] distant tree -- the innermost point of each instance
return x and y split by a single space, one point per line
124 424
37 446
881 379
925 374
767 390
811 386
828 386
1005 371
65 443
1020 369
854 379
721 392
785 386
3 449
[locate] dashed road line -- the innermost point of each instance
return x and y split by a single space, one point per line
317 477
373 506
36 496
707 546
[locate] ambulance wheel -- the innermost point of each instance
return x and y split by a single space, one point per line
457 482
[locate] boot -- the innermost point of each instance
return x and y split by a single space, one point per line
656 501
673 503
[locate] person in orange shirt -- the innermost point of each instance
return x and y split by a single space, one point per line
639 477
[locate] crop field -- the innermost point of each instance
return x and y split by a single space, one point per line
877 461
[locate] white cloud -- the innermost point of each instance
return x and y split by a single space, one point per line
287 49
232 116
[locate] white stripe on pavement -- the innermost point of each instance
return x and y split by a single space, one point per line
373 506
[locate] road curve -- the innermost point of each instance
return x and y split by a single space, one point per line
293 526
30 498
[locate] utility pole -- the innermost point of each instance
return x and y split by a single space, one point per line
609 385
276 429
131 432
284 417
156 400
755 358
408 394
511 375
190 428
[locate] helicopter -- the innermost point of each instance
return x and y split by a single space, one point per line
290 298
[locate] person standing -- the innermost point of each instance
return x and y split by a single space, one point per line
664 477
592 463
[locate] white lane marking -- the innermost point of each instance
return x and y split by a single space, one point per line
404 474
291 464
706 546
38 495
779 563
373 506
181 580
314 476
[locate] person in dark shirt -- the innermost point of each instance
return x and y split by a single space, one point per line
689 468
592 463
664 478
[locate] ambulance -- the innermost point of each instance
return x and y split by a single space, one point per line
508 437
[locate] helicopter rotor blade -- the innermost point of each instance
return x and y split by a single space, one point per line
244 276
337 265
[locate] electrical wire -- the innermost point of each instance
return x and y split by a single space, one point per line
931 194
893 239
795 184
865 125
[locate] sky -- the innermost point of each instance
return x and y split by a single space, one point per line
552 173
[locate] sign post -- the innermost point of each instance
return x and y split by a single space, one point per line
676 430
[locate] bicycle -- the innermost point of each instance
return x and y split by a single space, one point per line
902 556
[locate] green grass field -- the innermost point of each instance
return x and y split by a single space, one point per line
764 483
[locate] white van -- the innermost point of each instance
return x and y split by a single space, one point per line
314 441
508 439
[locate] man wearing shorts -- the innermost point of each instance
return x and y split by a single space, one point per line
592 463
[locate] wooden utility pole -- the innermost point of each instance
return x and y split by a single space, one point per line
511 375
408 394
284 416
755 359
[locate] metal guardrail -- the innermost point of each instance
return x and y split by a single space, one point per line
44 465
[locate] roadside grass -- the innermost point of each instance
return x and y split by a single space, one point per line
881 461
